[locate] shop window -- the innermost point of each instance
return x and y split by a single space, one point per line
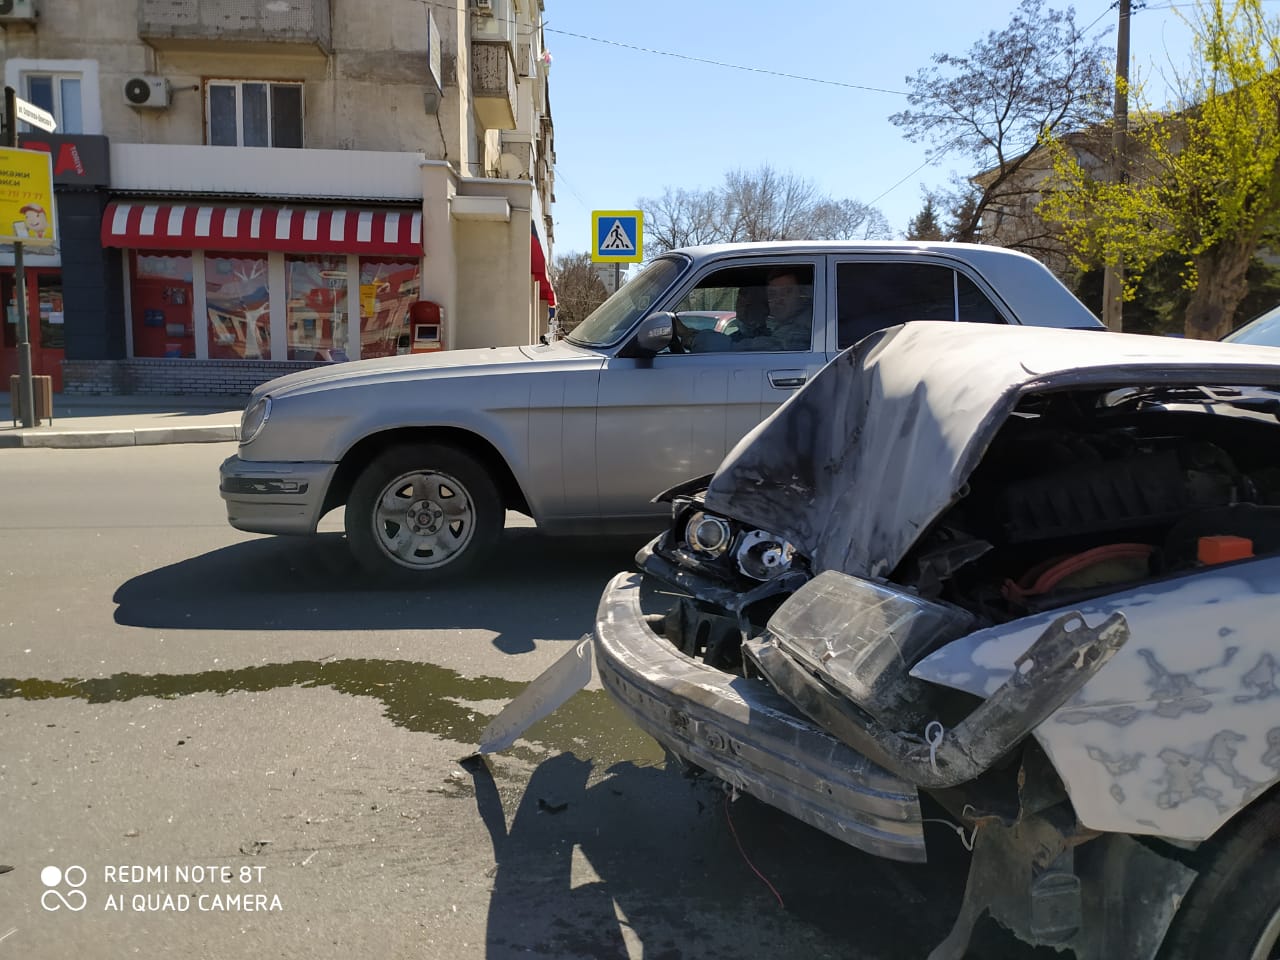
316 308
238 302
161 299
387 289
60 95
52 328
242 113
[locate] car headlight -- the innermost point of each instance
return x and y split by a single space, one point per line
762 556
707 534
255 417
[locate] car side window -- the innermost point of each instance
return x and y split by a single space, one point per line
872 296
753 308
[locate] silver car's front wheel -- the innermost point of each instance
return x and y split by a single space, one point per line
422 512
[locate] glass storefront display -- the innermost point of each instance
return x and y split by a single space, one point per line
161 299
52 327
238 301
316 320
387 289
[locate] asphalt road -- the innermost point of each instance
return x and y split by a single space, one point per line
204 721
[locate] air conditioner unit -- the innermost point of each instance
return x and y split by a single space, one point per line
484 6
149 92
14 11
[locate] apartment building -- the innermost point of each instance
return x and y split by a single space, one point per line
248 187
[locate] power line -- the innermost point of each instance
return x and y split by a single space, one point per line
727 66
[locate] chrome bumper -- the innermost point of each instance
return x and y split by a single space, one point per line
749 736
274 497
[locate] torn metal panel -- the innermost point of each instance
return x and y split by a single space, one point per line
549 690
1181 730
853 492
749 736
1059 663
1101 898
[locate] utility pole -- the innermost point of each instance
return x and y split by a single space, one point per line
26 386
1113 278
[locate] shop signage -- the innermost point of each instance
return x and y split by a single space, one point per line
26 197
79 160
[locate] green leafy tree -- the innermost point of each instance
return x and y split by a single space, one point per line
1203 180
924 225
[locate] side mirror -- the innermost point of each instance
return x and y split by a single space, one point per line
655 333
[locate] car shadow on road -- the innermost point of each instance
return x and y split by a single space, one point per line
532 586
674 864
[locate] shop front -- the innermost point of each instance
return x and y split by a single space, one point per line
80 177
45 323
225 291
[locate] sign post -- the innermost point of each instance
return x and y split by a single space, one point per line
619 238
26 202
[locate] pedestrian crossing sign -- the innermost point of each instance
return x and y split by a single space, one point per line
618 235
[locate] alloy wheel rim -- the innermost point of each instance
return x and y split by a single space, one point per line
424 519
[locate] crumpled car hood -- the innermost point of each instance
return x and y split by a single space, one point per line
855 467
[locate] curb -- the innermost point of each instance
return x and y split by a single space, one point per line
138 437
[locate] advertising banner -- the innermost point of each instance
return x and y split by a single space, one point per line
26 197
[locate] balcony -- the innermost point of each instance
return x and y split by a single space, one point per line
493 84
225 26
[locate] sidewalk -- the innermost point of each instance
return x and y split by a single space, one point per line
126 421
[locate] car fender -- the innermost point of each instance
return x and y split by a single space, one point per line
1180 730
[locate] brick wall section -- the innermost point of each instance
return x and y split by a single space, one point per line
204 378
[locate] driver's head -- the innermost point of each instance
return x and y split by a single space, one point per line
787 295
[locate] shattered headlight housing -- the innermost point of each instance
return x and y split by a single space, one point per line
707 540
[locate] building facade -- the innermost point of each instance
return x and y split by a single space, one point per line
248 187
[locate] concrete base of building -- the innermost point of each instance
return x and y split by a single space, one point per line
173 377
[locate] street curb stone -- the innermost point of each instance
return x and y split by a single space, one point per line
140 436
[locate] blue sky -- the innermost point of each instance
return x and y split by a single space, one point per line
629 123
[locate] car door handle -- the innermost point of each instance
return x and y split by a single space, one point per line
787 379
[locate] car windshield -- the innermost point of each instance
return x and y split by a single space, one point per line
613 318
1263 331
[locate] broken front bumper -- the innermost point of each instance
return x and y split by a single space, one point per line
747 735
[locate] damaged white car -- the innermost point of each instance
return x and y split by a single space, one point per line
1031 574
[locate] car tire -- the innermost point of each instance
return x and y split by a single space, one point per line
422 513
1233 908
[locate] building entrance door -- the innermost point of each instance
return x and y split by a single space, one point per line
45 322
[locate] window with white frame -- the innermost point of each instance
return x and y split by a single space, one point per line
58 93
253 113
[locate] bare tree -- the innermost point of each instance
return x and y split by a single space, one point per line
578 287
683 218
847 220
760 204
1038 77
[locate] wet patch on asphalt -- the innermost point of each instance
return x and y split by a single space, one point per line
418 696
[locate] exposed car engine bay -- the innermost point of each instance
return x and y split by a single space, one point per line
1078 494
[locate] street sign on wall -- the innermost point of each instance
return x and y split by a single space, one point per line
26 197
30 113
619 236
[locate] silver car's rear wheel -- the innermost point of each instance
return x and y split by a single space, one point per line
422 512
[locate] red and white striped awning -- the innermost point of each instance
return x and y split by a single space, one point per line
290 229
